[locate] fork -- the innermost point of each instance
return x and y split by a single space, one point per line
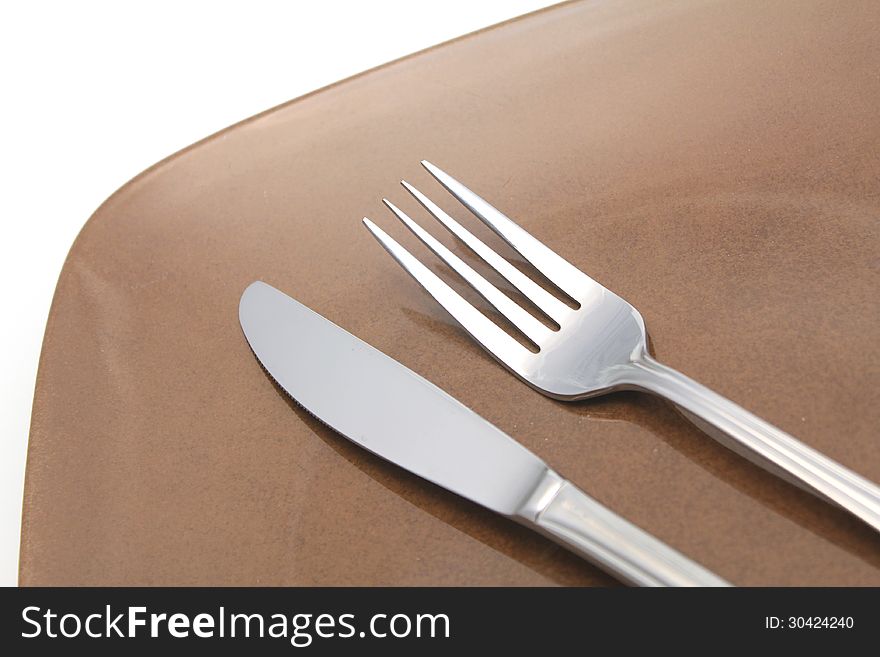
600 345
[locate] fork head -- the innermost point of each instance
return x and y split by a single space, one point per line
596 337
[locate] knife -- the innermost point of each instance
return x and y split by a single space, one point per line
390 410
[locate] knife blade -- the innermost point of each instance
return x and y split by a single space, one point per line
378 403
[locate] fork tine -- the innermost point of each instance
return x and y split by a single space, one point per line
559 271
550 305
531 327
481 328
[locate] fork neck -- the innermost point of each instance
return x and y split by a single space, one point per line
757 440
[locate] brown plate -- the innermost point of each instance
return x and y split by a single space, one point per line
715 165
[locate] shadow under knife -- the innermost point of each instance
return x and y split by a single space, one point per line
502 534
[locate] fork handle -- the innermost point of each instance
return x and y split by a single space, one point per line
759 441
559 510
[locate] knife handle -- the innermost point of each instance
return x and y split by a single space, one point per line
561 511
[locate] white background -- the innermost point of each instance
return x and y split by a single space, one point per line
95 92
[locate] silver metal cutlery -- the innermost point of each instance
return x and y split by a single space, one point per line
600 345
390 410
